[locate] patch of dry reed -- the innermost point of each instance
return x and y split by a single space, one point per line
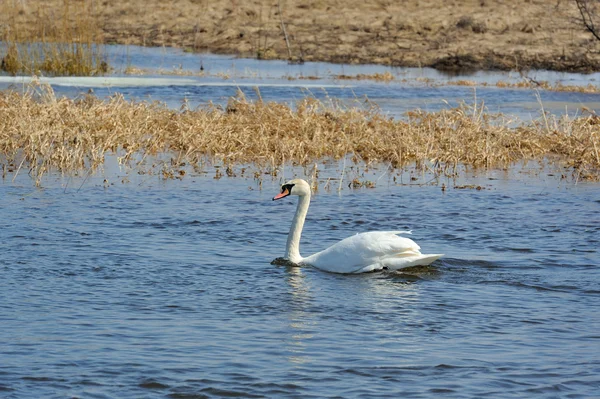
531 84
379 77
65 44
175 71
40 132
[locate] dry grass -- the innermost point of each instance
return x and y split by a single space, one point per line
508 34
175 71
65 44
530 84
40 132
178 71
545 85
379 77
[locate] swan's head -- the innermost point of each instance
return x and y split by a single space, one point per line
293 187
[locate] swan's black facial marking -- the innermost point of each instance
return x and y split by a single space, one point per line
287 187
286 190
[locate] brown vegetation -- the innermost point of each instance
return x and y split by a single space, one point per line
530 84
452 35
379 77
40 132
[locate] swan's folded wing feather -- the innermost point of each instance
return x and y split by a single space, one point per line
353 253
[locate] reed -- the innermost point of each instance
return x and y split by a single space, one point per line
530 84
380 77
40 132
66 44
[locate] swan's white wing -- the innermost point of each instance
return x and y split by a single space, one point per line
365 252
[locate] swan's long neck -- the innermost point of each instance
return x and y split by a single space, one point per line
292 249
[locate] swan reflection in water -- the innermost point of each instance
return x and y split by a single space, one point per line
302 322
320 306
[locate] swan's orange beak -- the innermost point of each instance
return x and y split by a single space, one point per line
284 193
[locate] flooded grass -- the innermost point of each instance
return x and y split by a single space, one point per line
530 84
378 77
175 71
40 132
178 71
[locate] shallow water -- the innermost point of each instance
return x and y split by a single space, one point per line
164 289
412 88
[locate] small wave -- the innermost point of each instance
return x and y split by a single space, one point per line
442 390
185 395
592 292
39 379
172 224
514 249
199 392
451 237
221 392
519 284
89 383
152 384
446 366
360 373
456 263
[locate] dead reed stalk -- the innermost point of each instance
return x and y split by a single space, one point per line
66 44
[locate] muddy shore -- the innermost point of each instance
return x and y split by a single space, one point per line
446 35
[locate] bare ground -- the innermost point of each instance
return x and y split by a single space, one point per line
448 35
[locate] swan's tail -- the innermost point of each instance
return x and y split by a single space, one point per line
396 263
401 262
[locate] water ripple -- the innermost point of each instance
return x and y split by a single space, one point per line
166 292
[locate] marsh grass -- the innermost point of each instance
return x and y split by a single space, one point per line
66 44
379 77
40 132
175 71
178 71
530 84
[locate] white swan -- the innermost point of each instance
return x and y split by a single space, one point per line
360 253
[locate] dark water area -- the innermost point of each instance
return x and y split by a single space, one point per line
164 289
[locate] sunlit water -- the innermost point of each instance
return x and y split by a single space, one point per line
160 289
412 88
135 287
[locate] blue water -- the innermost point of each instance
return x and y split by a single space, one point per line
412 88
164 289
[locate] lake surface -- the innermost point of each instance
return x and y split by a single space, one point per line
164 289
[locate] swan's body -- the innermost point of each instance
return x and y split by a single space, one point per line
360 253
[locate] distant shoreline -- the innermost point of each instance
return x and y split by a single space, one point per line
474 35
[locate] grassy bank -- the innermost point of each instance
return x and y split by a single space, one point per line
40 132
459 35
